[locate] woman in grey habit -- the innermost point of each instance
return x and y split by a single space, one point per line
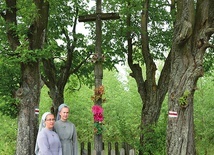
66 131
48 142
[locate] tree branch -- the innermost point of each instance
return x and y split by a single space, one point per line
184 33
80 64
208 45
70 49
10 18
135 68
209 31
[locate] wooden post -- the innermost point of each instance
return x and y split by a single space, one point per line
89 148
98 68
109 148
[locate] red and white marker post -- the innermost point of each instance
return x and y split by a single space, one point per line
173 114
37 111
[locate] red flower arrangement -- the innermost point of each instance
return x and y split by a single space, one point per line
98 119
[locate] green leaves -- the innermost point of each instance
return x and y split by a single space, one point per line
26 14
9 83
98 128
122 115
8 132
203 115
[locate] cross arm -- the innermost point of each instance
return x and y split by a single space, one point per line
102 16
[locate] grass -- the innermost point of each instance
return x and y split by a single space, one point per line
8 132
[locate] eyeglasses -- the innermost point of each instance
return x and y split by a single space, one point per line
50 119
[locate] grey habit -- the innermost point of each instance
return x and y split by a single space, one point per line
67 134
68 137
48 142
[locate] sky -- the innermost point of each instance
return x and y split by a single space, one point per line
80 25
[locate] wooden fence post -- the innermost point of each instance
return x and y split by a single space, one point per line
83 151
89 148
125 149
109 148
116 149
122 151
131 152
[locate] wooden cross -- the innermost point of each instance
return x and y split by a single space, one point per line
98 69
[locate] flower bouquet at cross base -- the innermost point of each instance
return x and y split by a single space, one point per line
98 119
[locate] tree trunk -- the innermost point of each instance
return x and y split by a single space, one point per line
29 91
152 93
55 82
180 137
57 96
191 36
55 77
29 95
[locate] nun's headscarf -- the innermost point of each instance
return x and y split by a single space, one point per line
59 109
41 126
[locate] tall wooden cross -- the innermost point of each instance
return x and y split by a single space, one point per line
98 69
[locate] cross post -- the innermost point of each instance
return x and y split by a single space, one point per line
98 68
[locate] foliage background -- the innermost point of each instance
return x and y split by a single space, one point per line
122 113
